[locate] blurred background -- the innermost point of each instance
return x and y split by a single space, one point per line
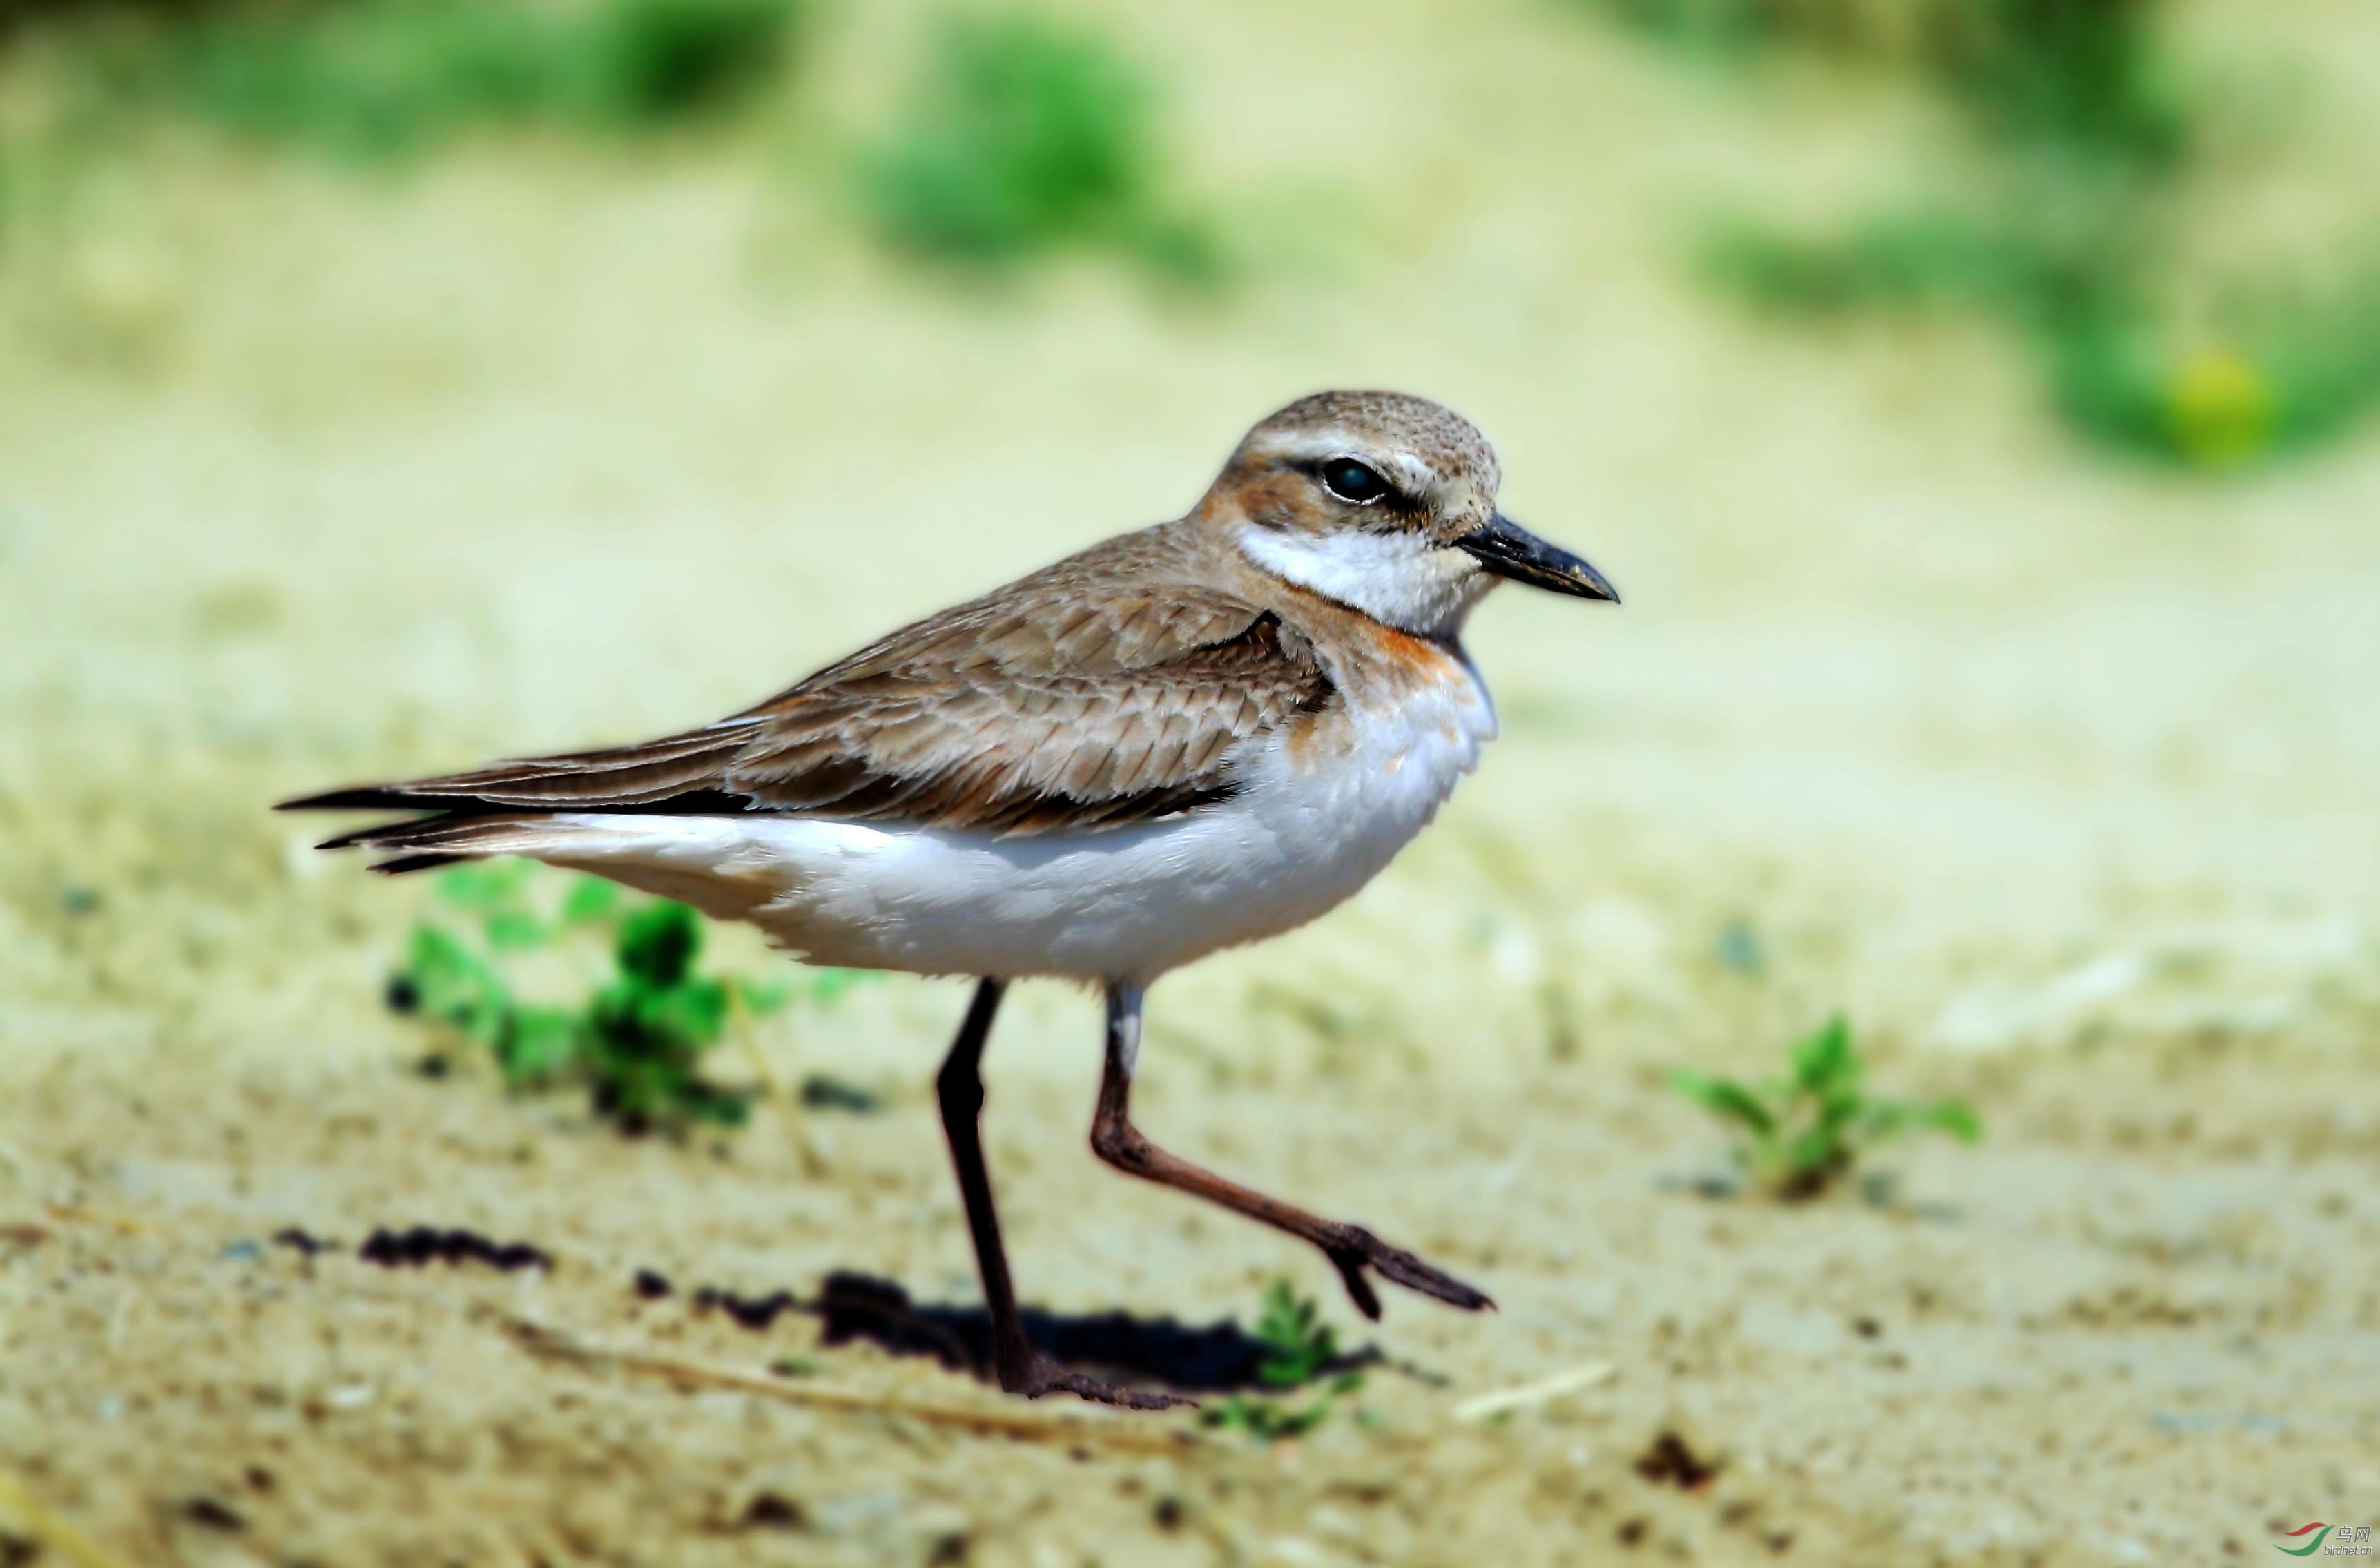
1978 401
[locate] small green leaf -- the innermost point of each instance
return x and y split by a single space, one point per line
483 885
1232 1412
828 986
1955 1117
539 1042
1825 1058
636 1043
719 1107
659 943
761 997
1298 1344
1835 1115
515 929
1811 1128
455 987
691 1013
590 901
1265 1420
1727 1098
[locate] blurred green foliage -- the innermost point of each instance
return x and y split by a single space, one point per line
2078 74
1022 135
2086 130
374 80
1019 137
2279 371
1798 1135
2084 74
636 1043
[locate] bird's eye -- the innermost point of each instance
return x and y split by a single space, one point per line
1351 480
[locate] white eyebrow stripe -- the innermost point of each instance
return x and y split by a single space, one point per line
1414 475
1307 445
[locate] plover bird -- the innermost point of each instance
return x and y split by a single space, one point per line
1182 740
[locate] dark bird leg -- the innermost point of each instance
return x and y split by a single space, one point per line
1022 1369
1351 1248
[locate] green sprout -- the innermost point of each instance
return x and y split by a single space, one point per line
646 1032
1299 1348
1796 1136
637 1042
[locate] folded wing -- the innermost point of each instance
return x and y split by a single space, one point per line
1057 703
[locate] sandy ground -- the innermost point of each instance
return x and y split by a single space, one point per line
2058 777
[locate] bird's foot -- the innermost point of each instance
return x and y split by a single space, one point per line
1353 1249
1040 1375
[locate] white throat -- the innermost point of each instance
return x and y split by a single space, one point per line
1400 578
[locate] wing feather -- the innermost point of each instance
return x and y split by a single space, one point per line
1081 698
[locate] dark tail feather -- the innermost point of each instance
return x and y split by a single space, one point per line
679 772
426 843
387 835
404 863
441 833
359 797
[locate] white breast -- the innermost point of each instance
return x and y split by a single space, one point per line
1315 819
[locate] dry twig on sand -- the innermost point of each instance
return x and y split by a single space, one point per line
18 1505
543 1339
1505 1401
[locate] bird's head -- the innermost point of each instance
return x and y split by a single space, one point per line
1386 504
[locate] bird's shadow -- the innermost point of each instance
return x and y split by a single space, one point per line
854 1308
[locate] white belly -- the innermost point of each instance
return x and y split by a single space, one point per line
1311 826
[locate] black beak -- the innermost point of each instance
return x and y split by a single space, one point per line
1507 549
